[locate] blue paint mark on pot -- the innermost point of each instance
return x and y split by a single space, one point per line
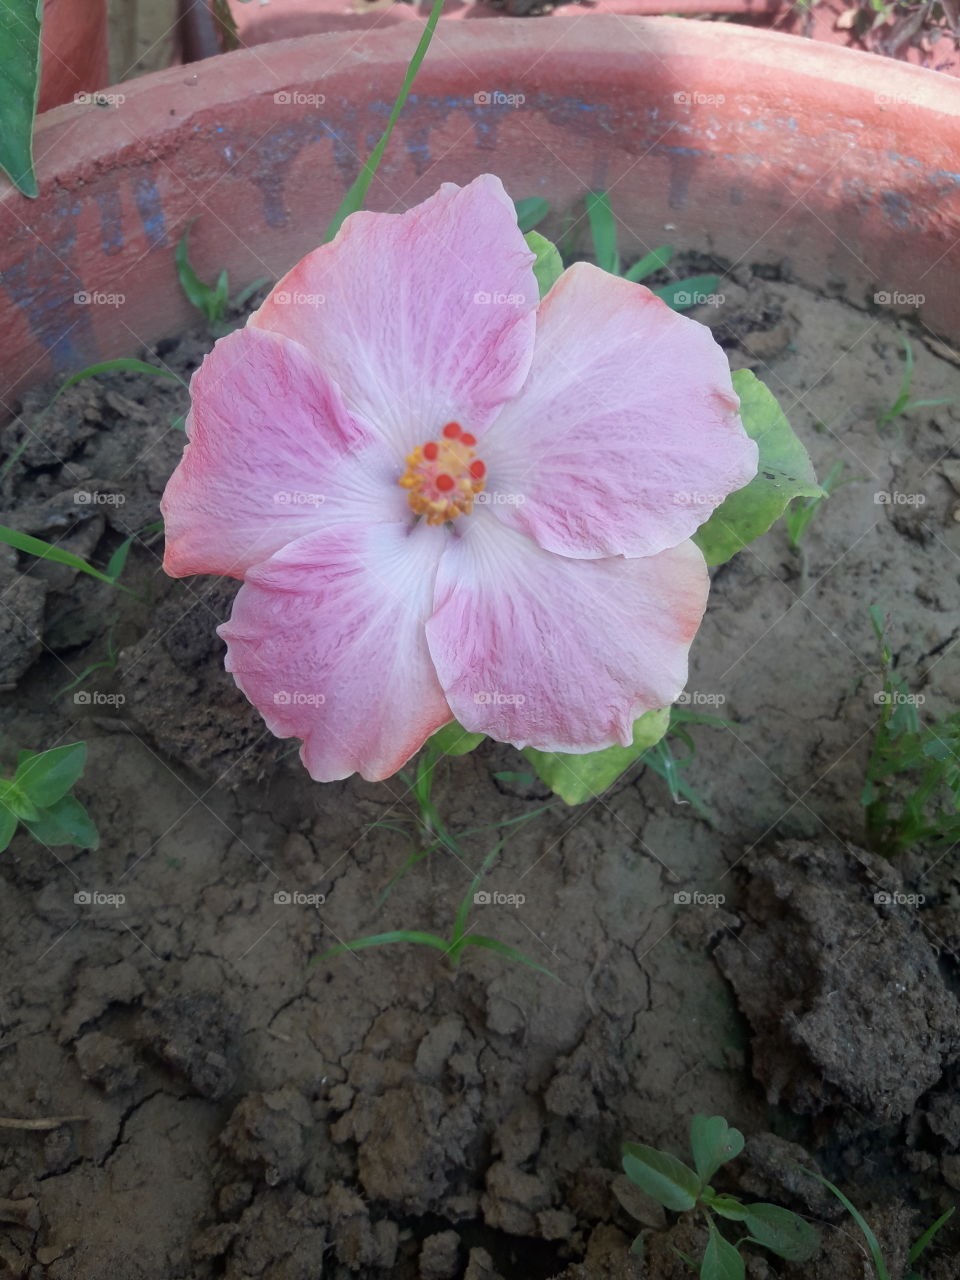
111 221
150 207
897 207
43 287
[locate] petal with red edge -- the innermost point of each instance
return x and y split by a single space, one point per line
422 317
560 654
273 454
327 640
626 435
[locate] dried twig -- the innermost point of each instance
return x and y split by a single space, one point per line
45 1122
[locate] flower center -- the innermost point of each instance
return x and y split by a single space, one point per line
443 476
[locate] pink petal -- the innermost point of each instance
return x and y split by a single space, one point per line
390 310
273 455
560 654
327 641
626 435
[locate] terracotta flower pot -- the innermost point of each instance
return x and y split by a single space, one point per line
73 50
757 145
284 19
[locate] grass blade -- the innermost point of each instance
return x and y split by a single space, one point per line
873 1244
530 212
46 551
649 263
930 1232
511 953
384 939
122 365
603 228
355 197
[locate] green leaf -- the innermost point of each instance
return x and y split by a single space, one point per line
245 294
209 301
721 1261
548 267
117 562
668 1180
501 948
682 294
784 1233
784 473
355 197
8 825
727 1207
123 364
48 775
383 939
46 551
923 1241
454 740
713 1143
20 23
576 778
66 822
650 262
530 212
603 228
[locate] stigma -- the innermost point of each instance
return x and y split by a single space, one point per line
444 476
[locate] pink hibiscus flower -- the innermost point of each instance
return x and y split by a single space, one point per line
447 499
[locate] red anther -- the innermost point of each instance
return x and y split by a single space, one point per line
468 439
452 431
477 470
444 483
430 451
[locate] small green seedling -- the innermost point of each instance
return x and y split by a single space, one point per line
873 1244
798 515
460 938
661 758
681 1189
679 294
925 808
38 795
531 212
108 663
47 551
212 301
903 404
